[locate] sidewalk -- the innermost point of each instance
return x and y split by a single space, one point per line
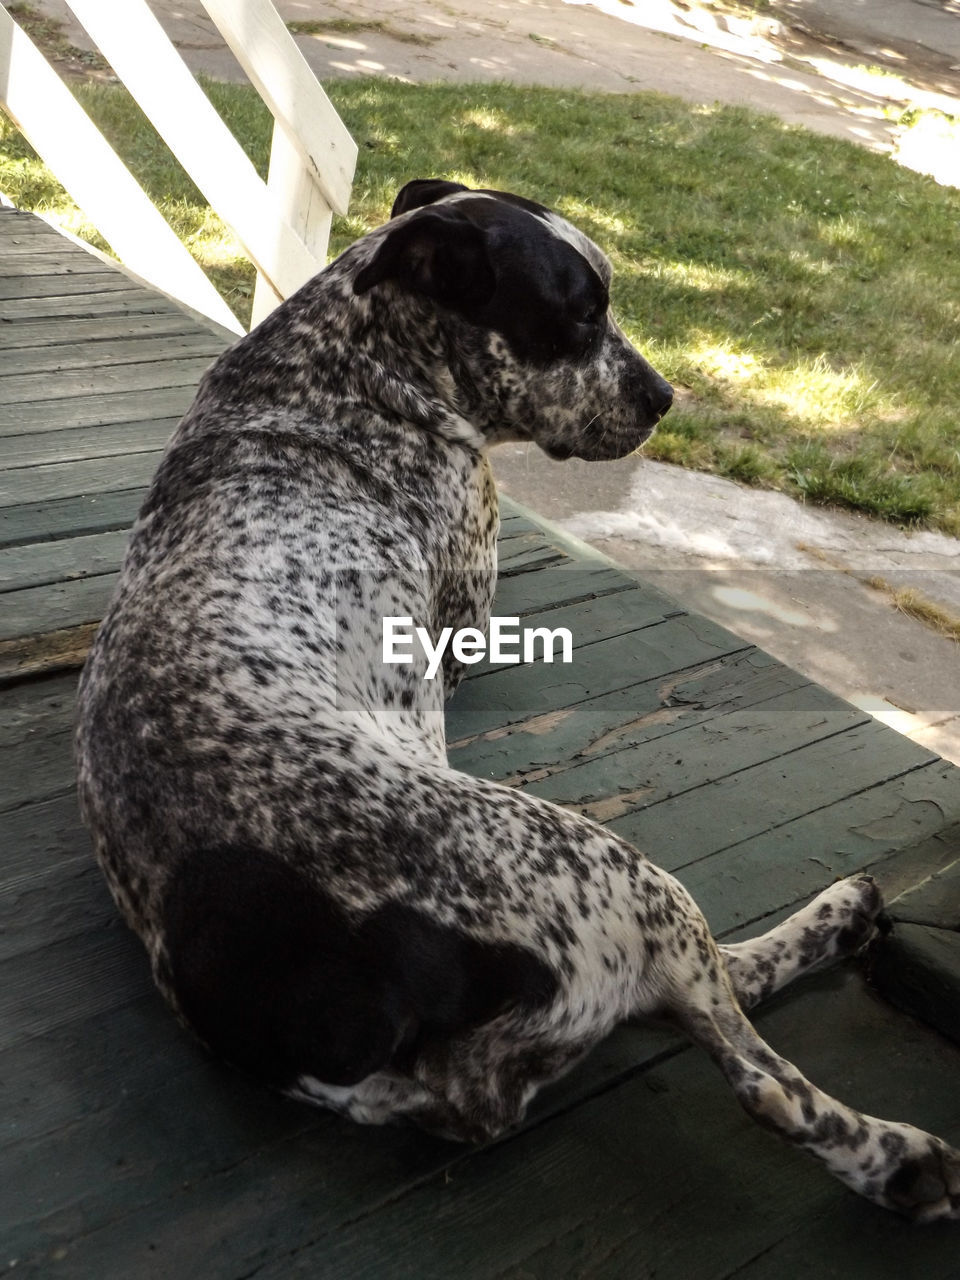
614 45
792 579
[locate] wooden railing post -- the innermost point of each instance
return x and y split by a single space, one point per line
313 156
283 224
303 206
60 131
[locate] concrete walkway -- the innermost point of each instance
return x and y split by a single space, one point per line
792 579
788 577
769 62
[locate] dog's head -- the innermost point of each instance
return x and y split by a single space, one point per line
524 297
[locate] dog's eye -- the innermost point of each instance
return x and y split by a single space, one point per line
593 314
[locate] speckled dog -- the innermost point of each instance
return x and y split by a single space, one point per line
325 901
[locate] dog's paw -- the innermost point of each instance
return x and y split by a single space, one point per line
926 1186
858 904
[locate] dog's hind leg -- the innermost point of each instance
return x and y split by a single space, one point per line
471 1087
837 923
894 1165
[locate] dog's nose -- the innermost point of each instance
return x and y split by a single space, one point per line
661 398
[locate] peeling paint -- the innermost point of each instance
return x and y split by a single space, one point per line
910 819
664 715
536 725
613 806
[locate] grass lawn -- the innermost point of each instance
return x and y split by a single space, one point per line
802 293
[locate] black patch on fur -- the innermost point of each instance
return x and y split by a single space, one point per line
272 974
440 254
422 191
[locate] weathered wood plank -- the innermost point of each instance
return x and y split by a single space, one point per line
34 334
39 655
107 352
37 769
22 485
935 901
513 524
58 984
69 517
34 244
70 413
782 864
17 222
55 607
722 813
37 837
32 710
46 562
589 621
39 1077
129 301
630 778
625 718
534 592
125 378
917 966
512 695
894 866
62 284
36 743
51 907
67 263
536 556
88 442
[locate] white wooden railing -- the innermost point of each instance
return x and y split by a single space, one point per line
283 224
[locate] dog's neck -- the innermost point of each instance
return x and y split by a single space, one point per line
326 347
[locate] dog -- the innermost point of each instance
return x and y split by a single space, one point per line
325 902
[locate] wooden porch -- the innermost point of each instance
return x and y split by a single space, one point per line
125 1152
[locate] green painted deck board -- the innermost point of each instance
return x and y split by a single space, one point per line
69 517
37 768
123 301
114 351
125 1151
662 1176
782 864
706 752
90 334
148 375
730 809
48 264
102 406
918 963
56 606
91 280
34 709
934 902
105 441
647 710
513 695
45 482
918 968
39 564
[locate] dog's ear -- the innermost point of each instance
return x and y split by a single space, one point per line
439 253
423 191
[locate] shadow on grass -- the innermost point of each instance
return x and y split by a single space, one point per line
803 293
